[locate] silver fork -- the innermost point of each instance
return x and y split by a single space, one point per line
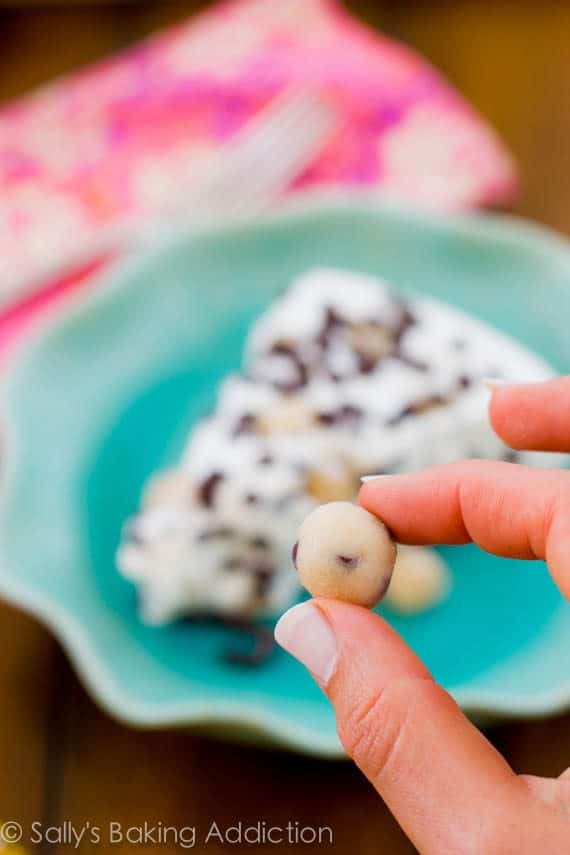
263 160
243 178
240 181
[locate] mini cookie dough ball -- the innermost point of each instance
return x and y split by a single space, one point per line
371 340
169 488
288 416
332 484
345 553
420 580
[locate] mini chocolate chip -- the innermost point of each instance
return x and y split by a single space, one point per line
294 552
266 460
261 636
251 499
366 363
464 381
246 424
264 573
349 562
207 489
346 414
259 542
417 408
407 320
510 456
283 349
331 321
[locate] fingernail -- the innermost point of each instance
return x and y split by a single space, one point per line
493 383
306 634
366 478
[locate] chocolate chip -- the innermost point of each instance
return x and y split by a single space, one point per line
347 414
464 382
251 499
259 542
207 489
407 320
417 408
246 424
348 562
281 348
331 322
366 363
302 375
263 643
266 460
264 574
294 552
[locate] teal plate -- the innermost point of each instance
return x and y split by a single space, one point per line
107 393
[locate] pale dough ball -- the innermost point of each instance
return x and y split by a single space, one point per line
288 416
170 488
345 553
421 579
332 485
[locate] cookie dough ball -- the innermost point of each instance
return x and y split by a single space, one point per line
332 484
169 488
345 553
288 416
421 579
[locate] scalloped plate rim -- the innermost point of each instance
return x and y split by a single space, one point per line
93 670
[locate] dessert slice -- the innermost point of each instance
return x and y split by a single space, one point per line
342 377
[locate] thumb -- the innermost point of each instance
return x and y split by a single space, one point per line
446 785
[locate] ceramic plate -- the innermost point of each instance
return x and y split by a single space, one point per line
107 393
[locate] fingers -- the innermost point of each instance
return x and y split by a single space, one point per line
553 792
447 786
534 417
506 509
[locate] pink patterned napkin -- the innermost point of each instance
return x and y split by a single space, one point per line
118 139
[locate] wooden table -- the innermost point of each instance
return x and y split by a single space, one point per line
60 757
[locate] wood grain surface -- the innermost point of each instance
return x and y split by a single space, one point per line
60 757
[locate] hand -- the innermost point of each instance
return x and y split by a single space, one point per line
446 785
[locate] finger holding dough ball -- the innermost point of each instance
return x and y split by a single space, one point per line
345 553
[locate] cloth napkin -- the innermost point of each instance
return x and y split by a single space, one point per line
119 139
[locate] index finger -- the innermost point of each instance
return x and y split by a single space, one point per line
505 508
535 416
